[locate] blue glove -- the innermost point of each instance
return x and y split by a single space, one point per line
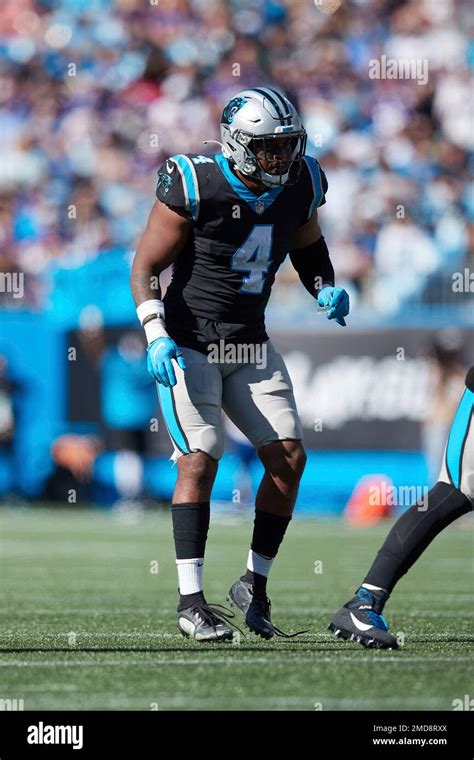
337 301
160 353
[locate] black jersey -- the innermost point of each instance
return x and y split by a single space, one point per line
238 241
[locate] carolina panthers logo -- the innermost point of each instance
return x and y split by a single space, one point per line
231 109
164 181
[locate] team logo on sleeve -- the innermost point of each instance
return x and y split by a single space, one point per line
164 182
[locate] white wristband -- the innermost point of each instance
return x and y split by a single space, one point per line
154 329
153 306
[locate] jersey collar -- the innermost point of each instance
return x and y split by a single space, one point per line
258 203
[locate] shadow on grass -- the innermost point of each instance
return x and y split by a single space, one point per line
315 646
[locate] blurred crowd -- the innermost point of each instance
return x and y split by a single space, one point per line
94 94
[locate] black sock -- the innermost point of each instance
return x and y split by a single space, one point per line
259 582
190 527
260 586
249 576
413 532
187 600
268 533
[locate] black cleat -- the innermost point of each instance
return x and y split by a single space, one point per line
259 621
258 618
205 622
361 620
256 611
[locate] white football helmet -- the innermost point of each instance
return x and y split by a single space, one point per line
261 123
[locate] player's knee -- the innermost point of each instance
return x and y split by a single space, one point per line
298 460
284 460
448 502
197 468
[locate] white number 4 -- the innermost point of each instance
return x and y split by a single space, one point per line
202 160
253 257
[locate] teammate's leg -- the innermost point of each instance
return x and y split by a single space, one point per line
413 533
453 495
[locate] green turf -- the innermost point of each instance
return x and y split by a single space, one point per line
86 625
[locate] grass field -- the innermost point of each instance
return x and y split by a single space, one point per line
87 623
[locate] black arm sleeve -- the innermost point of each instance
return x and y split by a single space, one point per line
314 266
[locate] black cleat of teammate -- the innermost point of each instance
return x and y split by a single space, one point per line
360 620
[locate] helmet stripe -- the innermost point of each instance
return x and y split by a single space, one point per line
279 98
274 103
275 98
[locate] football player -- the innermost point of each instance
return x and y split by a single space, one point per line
361 617
227 222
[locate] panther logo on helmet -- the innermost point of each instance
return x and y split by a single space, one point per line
231 109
